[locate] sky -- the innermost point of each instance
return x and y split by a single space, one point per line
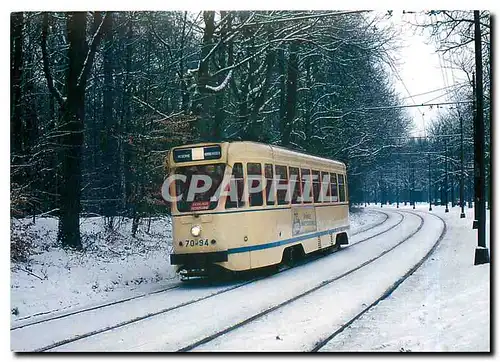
421 73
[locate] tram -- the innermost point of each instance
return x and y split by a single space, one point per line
240 206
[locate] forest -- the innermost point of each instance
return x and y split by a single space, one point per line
98 99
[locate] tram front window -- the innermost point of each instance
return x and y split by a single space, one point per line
198 198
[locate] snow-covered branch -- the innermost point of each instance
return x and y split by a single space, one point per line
221 86
87 64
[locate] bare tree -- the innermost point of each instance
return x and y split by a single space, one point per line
80 58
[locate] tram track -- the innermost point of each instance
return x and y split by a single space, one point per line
309 291
20 324
377 234
137 319
88 309
321 343
180 305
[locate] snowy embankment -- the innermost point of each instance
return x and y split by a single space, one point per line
113 264
443 306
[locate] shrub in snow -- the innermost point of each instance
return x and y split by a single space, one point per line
21 241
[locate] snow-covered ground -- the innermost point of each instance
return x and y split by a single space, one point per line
113 265
361 218
175 328
443 306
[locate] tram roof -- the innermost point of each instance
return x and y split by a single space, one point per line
268 151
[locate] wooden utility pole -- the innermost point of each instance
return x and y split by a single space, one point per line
482 254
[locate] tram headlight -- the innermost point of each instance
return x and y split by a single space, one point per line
196 230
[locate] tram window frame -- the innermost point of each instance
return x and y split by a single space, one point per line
253 198
316 185
309 199
269 176
239 182
295 189
346 188
342 193
281 194
333 182
326 184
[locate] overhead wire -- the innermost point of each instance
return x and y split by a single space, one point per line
398 76
437 90
454 90
396 72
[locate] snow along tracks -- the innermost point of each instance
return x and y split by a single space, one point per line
321 343
29 333
306 321
46 316
80 333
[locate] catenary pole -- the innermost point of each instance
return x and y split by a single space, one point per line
413 183
475 170
397 187
430 198
482 254
446 175
462 213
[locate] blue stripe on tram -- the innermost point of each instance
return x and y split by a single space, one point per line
284 242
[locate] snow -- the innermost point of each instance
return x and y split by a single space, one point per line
443 306
223 85
198 320
328 308
113 265
361 218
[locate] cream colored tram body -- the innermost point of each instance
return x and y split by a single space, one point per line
255 231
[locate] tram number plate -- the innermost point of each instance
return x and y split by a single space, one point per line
200 242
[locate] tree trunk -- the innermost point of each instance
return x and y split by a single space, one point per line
73 115
219 115
135 223
184 90
125 120
72 138
291 96
109 145
202 102
16 73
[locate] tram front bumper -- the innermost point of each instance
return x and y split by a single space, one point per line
198 259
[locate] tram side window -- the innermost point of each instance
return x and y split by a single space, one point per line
237 176
333 183
282 174
316 183
295 185
254 173
268 173
325 187
306 177
341 188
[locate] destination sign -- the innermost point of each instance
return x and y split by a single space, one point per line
212 153
197 153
